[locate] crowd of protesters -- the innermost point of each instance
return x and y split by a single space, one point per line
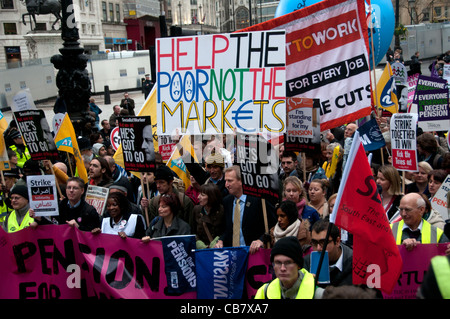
215 208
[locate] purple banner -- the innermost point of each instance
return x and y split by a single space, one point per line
415 265
61 262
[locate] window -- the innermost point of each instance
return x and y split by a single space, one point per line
91 6
104 11
10 28
438 12
426 14
7 4
117 12
111 12
41 26
193 2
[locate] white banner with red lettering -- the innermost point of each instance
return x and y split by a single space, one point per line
327 58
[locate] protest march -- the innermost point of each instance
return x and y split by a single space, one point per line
268 163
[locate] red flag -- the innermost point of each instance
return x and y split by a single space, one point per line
358 210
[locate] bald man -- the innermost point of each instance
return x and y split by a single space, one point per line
350 129
413 229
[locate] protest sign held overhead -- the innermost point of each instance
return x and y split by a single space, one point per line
403 141
43 195
216 83
400 73
328 42
439 200
137 143
97 197
433 110
303 125
36 134
258 162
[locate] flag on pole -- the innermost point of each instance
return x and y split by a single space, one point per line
358 209
176 163
66 140
386 91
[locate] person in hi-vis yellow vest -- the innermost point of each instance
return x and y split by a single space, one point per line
413 229
19 148
293 281
19 218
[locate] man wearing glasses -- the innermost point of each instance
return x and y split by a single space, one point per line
413 229
74 210
340 256
293 281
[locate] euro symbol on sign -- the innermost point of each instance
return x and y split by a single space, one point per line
237 116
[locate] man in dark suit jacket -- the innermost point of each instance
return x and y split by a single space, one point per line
340 256
252 226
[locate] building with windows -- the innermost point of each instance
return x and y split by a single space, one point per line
23 44
113 25
423 11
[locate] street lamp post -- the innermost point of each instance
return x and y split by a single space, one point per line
72 79
200 19
181 20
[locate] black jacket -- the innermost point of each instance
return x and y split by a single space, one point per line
85 215
252 221
338 278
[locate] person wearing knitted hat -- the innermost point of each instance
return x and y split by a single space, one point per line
293 281
19 218
215 165
99 150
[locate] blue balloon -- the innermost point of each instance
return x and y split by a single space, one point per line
288 6
381 23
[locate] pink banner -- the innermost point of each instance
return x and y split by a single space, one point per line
258 271
415 265
61 262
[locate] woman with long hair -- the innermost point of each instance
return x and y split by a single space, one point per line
293 190
209 216
288 224
317 193
389 187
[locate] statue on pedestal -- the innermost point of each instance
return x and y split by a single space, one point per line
37 7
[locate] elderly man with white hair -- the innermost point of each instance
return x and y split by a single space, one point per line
413 229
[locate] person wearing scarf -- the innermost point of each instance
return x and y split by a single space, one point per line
289 224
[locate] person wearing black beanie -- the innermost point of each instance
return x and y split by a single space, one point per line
290 247
293 281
